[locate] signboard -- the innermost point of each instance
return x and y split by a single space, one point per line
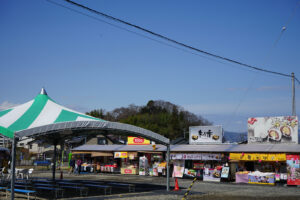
225 172
195 156
120 155
212 175
205 134
178 168
128 171
273 129
137 141
258 156
293 169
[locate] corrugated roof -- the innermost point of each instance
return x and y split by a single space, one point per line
119 148
259 148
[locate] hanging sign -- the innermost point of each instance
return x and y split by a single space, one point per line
120 155
137 141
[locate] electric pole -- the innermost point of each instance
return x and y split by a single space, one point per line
293 95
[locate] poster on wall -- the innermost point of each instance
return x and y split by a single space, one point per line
293 169
178 168
273 129
212 175
205 134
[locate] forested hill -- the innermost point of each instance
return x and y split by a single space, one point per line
159 116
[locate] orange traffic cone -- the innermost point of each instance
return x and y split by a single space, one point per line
176 185
61 174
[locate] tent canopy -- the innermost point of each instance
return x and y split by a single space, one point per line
43 116
6 132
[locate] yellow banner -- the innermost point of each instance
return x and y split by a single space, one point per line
120 155
137 141
258 156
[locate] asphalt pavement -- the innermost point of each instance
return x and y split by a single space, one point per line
152 188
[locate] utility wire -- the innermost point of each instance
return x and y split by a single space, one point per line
174 41
144 36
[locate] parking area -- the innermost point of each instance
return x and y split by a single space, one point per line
150 188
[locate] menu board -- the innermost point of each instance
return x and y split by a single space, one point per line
293 169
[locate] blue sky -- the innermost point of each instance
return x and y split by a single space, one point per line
86 64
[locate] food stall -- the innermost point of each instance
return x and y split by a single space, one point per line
129 162
259 168
201 165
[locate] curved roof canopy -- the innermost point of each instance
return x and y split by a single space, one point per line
43 116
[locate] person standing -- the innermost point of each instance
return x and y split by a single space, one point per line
79 162
72 165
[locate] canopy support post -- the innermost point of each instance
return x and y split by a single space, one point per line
13 168
168 167
54 163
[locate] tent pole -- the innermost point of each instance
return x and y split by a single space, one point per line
54 163
168 167
13 168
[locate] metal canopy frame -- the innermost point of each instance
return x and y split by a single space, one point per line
65 129
54 133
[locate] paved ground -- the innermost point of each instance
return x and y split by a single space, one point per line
200 190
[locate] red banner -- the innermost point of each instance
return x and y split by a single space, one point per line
293 169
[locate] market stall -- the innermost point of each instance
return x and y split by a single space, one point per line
202 165
259 168
129 162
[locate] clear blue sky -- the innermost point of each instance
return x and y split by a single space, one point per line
86 64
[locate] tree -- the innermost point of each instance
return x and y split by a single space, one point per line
161 117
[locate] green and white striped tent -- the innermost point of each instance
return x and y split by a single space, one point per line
43 116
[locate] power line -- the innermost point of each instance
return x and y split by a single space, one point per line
176 42
142 35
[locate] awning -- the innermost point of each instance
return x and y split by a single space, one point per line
154 152
81 152
97 154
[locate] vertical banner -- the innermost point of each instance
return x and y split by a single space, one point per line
293 169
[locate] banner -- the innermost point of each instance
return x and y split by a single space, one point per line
143 166
120 155
258 156
195 156
293 169
273 129
261 178
137 141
